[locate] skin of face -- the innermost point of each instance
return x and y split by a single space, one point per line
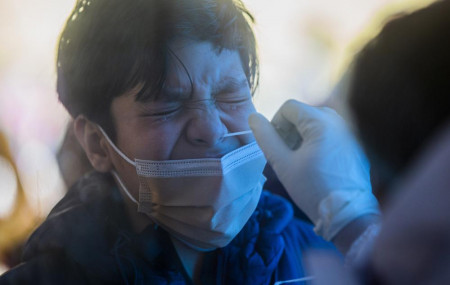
184 122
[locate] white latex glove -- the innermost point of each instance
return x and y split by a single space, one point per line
328 175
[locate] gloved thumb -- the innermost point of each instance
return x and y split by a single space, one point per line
268 140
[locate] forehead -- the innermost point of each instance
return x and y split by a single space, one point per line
203 66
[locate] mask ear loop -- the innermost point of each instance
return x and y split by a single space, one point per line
115 147
113 172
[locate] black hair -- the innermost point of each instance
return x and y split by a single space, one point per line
109 47
400 90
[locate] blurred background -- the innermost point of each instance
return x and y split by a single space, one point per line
305 46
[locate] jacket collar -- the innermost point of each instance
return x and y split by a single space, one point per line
89 226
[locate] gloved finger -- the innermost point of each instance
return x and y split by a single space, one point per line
288 118
287 131
306 118
268 139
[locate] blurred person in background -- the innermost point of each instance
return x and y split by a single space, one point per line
401 89
160 92
16 225
398 94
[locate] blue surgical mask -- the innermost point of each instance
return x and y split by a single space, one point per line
202 202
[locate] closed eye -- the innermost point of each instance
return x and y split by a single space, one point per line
160 109
162 113
232 99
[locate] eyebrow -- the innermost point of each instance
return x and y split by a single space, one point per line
228 84
176 93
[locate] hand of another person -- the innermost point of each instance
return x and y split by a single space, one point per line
326 268
328 175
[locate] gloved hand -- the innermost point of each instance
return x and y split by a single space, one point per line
328 175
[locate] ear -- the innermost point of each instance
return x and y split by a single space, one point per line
93 143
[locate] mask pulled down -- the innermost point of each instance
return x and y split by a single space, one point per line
202 202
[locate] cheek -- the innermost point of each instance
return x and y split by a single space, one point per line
157 142
237 121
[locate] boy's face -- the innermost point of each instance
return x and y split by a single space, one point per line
178 125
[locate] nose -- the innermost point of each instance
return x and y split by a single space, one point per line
205 127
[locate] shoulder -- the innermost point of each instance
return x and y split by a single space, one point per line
76 235
78 218
90 188
45 269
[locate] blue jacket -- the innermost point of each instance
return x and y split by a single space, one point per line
87 239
